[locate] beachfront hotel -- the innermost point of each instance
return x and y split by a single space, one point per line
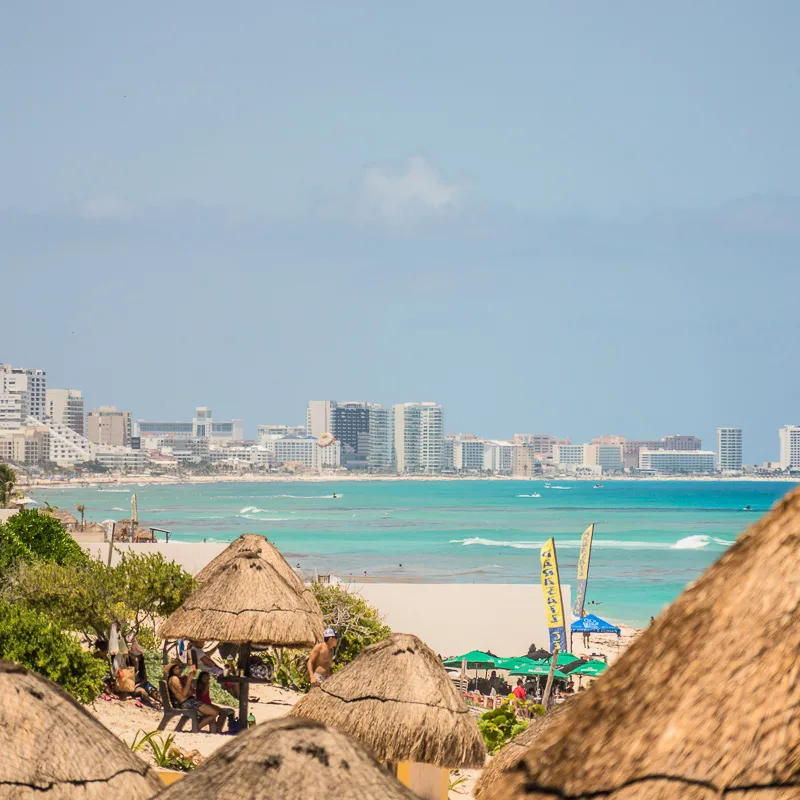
202 426
65 406
24 391
789 436
109 425
729 449
418 437
677 460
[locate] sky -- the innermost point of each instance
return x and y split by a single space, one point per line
566 218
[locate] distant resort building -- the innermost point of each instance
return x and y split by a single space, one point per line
677 460
202 426
789 436
729 449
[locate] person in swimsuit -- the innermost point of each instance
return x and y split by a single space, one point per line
181 694
321 657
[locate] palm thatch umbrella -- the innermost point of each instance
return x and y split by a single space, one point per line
290 759
51 747
396 698
246 542
69 521
252 597
705 704
514 751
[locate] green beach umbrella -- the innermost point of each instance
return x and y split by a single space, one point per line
563 658
513 663
538 669
476 659
591 669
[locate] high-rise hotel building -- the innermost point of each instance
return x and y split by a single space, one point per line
418 437
729 449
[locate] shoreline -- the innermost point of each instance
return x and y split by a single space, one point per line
101 481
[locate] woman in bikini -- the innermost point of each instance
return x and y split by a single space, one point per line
182 696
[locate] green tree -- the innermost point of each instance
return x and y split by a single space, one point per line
29 536
36 641
81 509
89 597
7 480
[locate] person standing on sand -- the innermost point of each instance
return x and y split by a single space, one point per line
321 657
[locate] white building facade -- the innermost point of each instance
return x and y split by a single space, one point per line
65 406
608 457
498 457
568 454
30 386
319 417
381 450
468 454
729 449
677 460
418 437
789 436
306 452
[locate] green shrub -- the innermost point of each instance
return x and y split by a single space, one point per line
500 726
29 536
89 596
38 643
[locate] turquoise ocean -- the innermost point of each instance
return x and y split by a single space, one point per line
651 538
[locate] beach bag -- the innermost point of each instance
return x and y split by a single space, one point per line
126 679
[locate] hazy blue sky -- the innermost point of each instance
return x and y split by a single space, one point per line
576 218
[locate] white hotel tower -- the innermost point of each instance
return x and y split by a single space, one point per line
418 437
729 449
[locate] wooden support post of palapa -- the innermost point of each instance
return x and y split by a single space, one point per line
244 688
549 685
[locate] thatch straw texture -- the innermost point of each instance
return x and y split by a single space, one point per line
290 759
253 596
68 520
247 542
514 751
52 748
705 704
397 699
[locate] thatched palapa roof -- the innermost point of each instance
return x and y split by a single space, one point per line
52 748
247 542
290 759
705 703
515 751
397 699
64 517
251 596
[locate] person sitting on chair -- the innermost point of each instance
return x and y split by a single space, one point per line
182 696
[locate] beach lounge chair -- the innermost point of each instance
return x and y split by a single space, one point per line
170 711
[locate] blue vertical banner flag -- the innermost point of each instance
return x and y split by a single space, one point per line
554 607
583 571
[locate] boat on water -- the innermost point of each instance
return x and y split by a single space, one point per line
598 486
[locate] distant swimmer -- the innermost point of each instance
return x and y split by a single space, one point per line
334 495
747 508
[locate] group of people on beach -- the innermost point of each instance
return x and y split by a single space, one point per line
189 674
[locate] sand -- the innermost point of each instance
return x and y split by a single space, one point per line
125 720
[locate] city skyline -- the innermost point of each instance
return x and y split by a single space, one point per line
562 234
324 418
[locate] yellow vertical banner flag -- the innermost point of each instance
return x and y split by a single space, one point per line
134 509
583 571
551 587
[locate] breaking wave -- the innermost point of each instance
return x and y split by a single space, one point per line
698 542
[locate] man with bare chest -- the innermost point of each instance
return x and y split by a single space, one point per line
320 658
